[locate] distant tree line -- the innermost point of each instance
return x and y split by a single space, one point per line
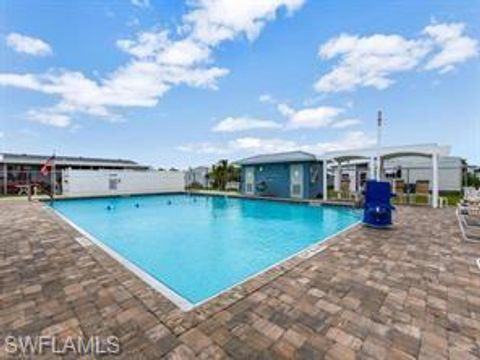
472 180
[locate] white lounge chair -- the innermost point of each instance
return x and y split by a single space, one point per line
471 195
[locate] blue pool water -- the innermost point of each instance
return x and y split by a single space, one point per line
200 245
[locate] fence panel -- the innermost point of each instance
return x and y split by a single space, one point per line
109 182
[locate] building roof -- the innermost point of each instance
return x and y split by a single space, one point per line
199 168
389 152
11 158
410 162
284 157
385 152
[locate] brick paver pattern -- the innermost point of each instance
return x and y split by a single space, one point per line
405 293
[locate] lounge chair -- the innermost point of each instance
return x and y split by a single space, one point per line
472 220
468 215
471 195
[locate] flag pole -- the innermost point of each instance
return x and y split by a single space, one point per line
53 176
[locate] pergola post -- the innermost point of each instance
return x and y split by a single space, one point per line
325 179
338 176
435 180
353 180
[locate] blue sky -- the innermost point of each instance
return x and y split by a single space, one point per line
175 84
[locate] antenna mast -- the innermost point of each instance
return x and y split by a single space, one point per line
379 128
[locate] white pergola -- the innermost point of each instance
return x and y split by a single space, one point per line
375 157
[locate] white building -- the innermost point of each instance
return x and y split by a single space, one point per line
198 175
410 169
410 163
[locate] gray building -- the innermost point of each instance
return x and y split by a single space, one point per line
19 170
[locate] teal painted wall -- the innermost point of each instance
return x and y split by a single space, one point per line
276 177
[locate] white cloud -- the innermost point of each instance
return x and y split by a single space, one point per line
133 22
267 99
184 52
214 21
25 81
316 117
141 3
2 135
28 45
49 118
321 116
370 61
351 140
261 145
157 62
346 123
285 110
243 145
145 45
203 148
454 46
254 145
157 47
138 84
231 124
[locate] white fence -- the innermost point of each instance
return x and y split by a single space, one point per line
111 182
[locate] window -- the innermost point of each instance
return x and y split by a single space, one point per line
113 184
394 173
314 173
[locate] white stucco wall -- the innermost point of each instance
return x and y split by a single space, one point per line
420 168
417 168
111 182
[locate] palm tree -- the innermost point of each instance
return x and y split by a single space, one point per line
222 173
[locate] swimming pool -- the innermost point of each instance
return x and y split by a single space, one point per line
195 247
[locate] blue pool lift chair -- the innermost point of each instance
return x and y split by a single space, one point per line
378 208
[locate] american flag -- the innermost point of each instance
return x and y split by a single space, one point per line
47 166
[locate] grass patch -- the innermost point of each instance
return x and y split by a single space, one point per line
453 197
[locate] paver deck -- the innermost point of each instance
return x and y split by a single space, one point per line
410 292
